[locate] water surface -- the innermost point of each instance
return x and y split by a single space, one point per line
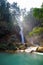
21 59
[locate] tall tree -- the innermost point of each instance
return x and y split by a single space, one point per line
38 13
42 5
7 26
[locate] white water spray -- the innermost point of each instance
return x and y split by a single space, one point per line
21 28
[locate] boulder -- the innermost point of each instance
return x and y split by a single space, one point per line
39 49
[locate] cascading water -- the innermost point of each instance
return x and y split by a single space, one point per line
21 29
22 36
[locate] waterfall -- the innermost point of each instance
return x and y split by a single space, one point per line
21 29
22 36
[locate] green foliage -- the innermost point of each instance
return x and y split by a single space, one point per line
4 11
38 13
36 31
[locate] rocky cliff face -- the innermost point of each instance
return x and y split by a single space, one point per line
8 34
36 40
